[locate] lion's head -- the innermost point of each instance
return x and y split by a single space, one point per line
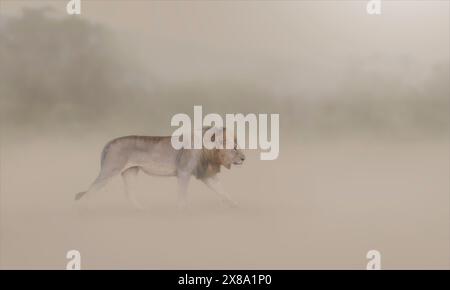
226 157
216 157
231 156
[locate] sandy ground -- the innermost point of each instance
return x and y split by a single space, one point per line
320 205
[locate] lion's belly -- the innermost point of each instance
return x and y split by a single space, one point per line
154 166
159 169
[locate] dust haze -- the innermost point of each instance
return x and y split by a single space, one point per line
364 127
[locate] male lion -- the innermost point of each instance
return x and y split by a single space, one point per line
156 156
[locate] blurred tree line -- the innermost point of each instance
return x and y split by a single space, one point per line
66 73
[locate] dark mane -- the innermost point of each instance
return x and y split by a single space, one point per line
208 164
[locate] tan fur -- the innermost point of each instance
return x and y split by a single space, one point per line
156 156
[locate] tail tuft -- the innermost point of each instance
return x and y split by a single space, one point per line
80 195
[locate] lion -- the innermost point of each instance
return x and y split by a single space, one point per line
155 156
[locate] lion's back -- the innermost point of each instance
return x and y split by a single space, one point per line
135 148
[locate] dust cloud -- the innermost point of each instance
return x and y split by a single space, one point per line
364 159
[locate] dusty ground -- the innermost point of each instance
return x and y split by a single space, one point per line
320 205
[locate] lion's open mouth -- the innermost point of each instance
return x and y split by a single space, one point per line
238 162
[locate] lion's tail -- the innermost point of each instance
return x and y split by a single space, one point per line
79 195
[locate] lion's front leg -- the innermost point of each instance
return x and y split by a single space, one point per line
183 182
214 184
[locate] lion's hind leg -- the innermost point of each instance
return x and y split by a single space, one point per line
127 175
96 185
99 182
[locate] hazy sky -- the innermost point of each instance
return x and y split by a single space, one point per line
272 42
275 27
